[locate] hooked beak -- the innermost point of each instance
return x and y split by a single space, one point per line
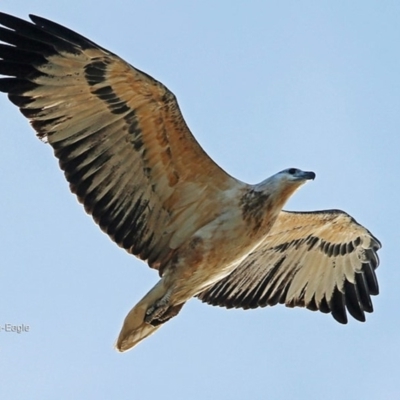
307 175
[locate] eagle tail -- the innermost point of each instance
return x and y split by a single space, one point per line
139 324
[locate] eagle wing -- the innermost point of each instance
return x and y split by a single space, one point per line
118 134
321 260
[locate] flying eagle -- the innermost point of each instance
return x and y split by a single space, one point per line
133 163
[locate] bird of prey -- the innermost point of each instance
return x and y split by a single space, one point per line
133 163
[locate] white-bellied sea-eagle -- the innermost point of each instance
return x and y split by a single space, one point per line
133 163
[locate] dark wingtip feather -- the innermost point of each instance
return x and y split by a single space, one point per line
35 34
370 276
15 86
363 291
337 306
12 22
18 70
63 32
353 302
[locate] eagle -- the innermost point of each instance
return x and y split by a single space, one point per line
133 163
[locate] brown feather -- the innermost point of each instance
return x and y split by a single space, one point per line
310 276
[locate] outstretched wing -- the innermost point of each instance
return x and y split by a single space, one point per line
321 260
118 134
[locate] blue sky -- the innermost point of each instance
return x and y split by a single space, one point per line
263 86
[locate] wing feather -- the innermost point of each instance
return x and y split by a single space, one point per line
320 260
118 134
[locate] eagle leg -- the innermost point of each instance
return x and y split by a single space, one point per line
162 311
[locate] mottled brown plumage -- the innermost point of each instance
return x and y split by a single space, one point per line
131 160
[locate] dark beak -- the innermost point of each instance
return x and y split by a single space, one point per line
308 175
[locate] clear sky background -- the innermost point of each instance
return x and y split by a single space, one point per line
263 85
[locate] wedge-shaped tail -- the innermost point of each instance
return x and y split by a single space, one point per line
146 317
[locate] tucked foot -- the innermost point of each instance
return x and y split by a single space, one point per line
162 311
155 311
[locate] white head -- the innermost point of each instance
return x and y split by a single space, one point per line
283 184
294 175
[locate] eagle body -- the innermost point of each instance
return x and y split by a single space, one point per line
238 230
133 163
248 212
